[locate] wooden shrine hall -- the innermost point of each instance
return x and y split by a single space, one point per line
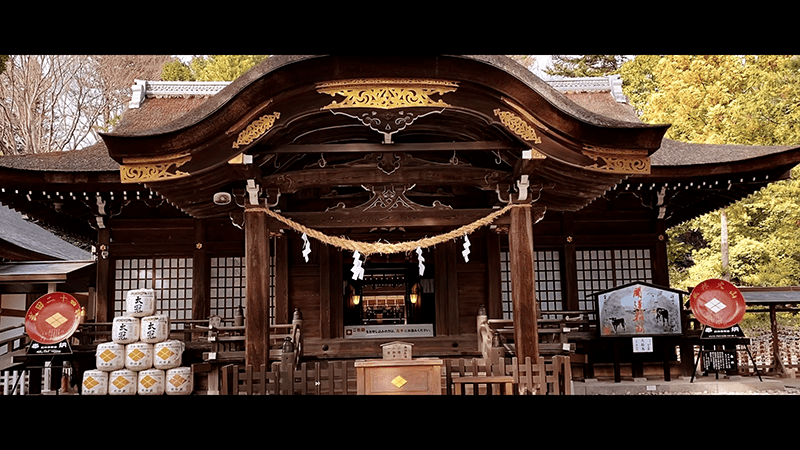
386 198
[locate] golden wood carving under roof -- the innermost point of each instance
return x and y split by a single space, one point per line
618 160
387 93
256 129
518 126
140 170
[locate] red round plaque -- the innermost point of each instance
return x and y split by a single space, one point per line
52 318
717 303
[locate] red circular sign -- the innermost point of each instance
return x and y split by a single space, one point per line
717 303
52 318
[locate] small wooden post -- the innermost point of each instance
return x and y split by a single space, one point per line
523 288
257 291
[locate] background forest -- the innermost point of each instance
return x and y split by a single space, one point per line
58 103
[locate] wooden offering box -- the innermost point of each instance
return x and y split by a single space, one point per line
399 376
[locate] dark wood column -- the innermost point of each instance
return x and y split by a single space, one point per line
523 287
104 270
201 308
256 236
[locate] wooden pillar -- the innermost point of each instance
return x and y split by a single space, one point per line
256 236
494 299
201 308
103 277
523 287
282 280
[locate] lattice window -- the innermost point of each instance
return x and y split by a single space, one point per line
505 286
547 277
548 281
599 270
170 278
227 284
228 281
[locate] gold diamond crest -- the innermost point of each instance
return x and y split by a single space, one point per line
399 381
56 320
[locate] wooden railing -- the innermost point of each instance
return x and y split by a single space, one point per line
557 336
472 376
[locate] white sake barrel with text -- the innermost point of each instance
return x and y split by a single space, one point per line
168 354
110 356
140 302
95 382
139 356
122 382
125 329
179 381
154 328
151 382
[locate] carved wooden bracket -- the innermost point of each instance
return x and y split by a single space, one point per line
390 198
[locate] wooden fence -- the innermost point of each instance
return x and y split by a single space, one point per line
545 377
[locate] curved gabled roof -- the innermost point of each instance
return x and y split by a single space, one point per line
488 110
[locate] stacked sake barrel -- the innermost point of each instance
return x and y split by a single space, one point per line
140 359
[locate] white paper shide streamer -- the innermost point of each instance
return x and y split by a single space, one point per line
358 271
466 248
421 261
306 247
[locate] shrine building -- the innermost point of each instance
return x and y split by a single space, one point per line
385 198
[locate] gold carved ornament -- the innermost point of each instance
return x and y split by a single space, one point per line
387 93
256 129
518 126
141 170
618 160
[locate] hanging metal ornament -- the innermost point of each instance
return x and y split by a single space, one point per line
306 247
358 271
421 261
466 248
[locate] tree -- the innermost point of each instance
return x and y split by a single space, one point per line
58 102
210 68
728 99
572 66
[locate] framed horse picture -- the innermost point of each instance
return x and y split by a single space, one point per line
639 309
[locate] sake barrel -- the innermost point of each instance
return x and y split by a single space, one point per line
151 382
122 382
95 382
125 329
179 381
139 356
140 302
154 328
110 356
168 354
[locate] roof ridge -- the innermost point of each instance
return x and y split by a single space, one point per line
142 89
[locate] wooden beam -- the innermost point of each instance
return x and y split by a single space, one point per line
257 290
523 287
292 182
397 147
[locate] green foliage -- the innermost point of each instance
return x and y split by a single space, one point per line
750 100
211 68
176 71
584 65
